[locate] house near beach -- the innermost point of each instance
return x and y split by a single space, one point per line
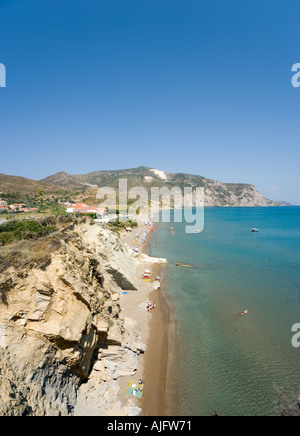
15 207
18 208
84 208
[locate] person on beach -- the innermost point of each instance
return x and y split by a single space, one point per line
141 385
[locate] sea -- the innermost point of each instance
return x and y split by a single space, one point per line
227 362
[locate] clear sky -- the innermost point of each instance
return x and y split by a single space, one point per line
201 87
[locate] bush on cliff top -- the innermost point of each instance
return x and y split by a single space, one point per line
20 230
32 246
120 225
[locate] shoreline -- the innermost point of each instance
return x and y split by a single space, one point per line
157 366
158 330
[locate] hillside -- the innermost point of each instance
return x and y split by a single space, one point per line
84 187
216 193
21 189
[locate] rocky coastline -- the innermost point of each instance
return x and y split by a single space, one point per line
66 344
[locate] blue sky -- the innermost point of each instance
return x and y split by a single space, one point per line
201 87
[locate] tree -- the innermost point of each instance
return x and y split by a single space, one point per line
41 201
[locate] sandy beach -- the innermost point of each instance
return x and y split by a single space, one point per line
157 329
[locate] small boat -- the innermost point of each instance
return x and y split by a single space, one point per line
245 313
254 230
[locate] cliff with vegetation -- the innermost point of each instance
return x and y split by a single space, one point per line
63 337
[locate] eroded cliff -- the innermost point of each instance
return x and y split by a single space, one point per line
60 319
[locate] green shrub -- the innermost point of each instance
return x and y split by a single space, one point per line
19 230
119 225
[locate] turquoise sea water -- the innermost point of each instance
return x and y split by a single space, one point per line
227 362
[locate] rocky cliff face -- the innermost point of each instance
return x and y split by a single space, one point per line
216 193
61 318
230 195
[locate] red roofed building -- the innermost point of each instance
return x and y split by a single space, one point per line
84 208
17 206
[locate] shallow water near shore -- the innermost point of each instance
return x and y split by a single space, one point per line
228 362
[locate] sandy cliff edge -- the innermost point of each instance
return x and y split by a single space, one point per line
67 343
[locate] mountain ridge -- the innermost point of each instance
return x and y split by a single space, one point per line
216 193
13 183
84 186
